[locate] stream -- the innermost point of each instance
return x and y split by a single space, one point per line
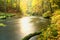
16 29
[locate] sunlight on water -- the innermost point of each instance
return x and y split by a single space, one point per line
30 24
26 26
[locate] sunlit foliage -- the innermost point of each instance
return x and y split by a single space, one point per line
56 16
49 34
47 14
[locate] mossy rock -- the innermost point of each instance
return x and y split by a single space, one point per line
47 14
2 25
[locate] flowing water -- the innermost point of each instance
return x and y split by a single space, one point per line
18 28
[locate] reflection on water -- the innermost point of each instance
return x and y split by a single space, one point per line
26 26
18 28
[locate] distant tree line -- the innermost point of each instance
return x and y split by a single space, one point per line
9 6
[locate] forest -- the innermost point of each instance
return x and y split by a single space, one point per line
47 9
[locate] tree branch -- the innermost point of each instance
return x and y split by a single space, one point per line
31 35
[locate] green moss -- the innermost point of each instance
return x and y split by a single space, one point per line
2 25
6 15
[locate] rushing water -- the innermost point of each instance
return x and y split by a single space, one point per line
16 29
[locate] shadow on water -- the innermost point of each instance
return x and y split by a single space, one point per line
16 29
